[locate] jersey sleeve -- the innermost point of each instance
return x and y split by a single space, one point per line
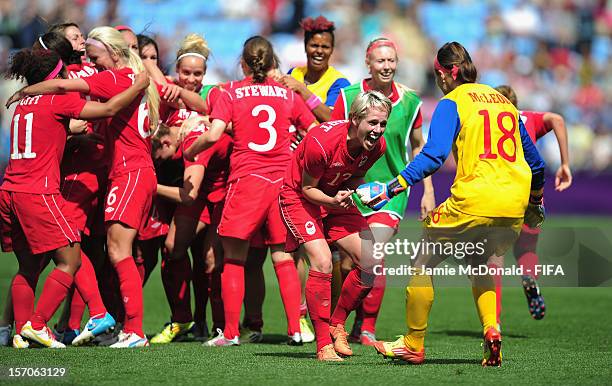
223 109
68 105
418 121
103 85
444 128
533 158
301 116
540 126
187 142
315 157
339 111
211 99
334 91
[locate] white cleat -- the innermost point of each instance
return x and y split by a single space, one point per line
305 330
19 342
44 337
295 340
221 341
130 340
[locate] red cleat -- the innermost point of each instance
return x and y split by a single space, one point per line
492 348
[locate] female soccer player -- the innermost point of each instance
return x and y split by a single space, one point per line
132 181
403 136
326 167
496 165
261 112
317 83
537 125
147 49
34 217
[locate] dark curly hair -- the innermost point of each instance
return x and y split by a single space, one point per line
33 65
258 55
319 25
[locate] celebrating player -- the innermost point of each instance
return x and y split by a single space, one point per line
261 112
403 129
493 153
326 166
34 217
129 146
537 125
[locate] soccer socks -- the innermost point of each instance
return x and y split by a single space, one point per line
289 284
131 292
232 293
419 299
87 287
355 288
318 296
77 309
22 292
140 266
528 261
485 300
371 304
176 274
53 294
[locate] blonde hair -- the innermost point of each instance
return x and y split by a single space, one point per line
114 42
193 44
369 100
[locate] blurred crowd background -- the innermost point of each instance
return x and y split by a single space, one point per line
557 54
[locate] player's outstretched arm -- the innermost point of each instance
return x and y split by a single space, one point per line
206 140
51 86
188 193
95 110
563 176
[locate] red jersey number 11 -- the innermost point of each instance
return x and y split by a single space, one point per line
27 153
507 134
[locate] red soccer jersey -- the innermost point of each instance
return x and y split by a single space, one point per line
127 136
82 70
534 123
38 137
323 154
262 115
216 161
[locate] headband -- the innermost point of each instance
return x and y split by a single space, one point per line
380 43
439 67
55 71
42 43
192 54
123 28
96 43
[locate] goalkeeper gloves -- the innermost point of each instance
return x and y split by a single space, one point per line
535 213
377 194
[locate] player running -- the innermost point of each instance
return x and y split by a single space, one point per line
317 209
403 136
537 125
261 112
132 182
33 216
497 165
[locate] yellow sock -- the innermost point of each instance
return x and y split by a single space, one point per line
487 307
419 298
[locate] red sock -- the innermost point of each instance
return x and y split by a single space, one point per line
232 292
176 275
528 262
200 281
356 287
22 292
216 301
498 292
140 266
131 292
318 298
289 284
371 304
87 287
77 309
303 309
53 294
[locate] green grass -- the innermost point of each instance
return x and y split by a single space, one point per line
570 345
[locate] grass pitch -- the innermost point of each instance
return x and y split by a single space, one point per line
570 345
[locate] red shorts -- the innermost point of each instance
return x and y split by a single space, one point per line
251 203
35 222
129 198
306 221
81 193
158 221
384 218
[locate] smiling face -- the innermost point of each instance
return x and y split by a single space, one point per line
370 128
191 70
75 37
382 64
100 57
318 51
149 53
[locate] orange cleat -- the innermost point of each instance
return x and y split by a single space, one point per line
340 340
328 354
398 350
492 348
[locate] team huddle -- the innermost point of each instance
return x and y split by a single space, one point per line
113 163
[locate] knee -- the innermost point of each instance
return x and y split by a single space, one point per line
322 265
